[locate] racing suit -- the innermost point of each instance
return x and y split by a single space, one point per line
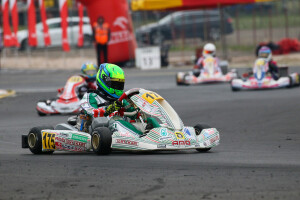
273 69
95 104
200 64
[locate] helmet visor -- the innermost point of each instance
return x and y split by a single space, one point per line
208 52
117 84
90 72
263 55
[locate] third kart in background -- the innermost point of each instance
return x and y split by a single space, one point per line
265 74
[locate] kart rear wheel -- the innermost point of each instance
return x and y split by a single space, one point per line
34 140
198 129
234 89
181 82
101 141
178 80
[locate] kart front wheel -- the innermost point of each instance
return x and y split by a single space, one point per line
198 129
34 139
101 141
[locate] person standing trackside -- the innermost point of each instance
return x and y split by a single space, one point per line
101 33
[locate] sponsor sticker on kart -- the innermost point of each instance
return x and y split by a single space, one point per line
161 146
48 140
164 135
80 138
163 132
75 79
128 142
181 143
151 97
179 135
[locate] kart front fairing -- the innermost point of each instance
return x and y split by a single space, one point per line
265 83
170 134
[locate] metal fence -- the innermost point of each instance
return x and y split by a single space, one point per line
188 31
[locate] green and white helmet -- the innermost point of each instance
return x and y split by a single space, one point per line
111 80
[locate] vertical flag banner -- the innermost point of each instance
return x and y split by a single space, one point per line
80 33
7 40
63 8
15 21
47 39
31 17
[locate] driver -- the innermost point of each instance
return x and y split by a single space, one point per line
103 101
208 50
266 53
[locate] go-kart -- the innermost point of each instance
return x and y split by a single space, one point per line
68 100
259 78
117 132
210 73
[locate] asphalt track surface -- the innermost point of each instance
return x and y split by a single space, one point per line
258 157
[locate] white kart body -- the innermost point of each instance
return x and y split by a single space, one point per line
169 133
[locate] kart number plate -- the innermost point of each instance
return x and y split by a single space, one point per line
75 79
151 97
48 140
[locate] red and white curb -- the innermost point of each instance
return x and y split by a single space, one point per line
6 93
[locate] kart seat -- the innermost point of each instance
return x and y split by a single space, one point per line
130 126
154 122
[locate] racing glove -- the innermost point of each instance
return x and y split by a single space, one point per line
115 106
98 112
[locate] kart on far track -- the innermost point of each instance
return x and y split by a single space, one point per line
208 74
68 100
117 132
261 79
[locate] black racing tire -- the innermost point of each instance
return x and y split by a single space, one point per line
291 82
101 141
198 128
177 80
35 140
234 89
41 113
181 83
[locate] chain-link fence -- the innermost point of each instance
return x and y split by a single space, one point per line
236 30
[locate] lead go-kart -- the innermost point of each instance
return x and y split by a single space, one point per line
210 73
259 78
119 133
68 101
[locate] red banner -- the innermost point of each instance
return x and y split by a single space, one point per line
63 8
15 21
31 17
47 39
122 41
7 40
80 33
